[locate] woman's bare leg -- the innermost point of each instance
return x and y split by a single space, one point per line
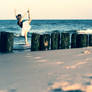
26 41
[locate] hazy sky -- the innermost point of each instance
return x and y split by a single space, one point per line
48 9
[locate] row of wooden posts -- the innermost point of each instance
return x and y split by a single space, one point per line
53 41
59 40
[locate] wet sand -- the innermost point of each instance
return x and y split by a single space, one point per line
47 71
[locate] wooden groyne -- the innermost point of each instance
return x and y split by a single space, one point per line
65 40
45 42
52 41
6 42
57 40
81 40
35 42
90 40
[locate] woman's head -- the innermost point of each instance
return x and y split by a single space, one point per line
19 17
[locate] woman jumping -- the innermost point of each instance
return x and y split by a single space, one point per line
24 25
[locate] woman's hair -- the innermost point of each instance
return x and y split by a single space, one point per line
19 16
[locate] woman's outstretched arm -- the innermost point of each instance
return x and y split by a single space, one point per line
29 18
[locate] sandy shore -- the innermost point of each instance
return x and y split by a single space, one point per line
47 71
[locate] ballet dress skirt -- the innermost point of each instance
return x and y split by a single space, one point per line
25 26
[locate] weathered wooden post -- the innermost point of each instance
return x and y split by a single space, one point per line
90 40
45 42
82 40
65 40
73 40
0 40
35 42
6 42
55 40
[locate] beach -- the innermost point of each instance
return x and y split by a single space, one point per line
47 71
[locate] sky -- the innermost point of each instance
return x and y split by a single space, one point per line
47 9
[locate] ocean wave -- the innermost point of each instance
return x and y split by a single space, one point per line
86 31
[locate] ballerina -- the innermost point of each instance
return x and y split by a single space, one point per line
24 24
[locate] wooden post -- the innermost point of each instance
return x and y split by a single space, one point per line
65 40
45 42
6 42
73 40
82 40
35 42
0 41
90 40
55 40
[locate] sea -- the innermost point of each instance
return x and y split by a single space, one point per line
44 26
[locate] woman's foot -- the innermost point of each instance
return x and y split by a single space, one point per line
27 44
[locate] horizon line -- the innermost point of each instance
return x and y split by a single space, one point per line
53 19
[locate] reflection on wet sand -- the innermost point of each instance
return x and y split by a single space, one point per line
66 87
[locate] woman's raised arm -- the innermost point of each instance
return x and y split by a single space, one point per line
29 18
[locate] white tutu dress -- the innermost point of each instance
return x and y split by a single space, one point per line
26 27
